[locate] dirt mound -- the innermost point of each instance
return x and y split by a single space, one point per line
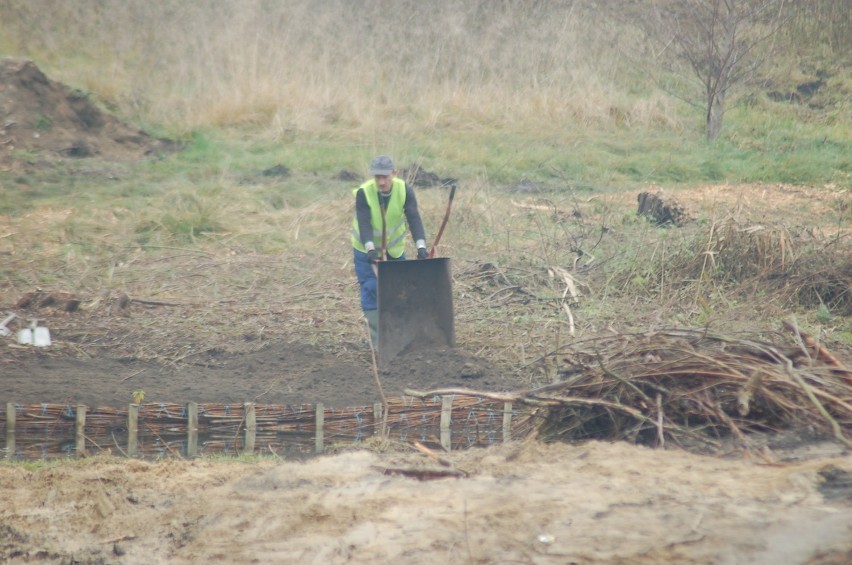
49 118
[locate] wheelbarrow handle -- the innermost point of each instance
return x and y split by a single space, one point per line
384 230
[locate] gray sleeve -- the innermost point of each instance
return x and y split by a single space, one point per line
412 215
362 212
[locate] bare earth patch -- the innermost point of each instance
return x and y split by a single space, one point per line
289 373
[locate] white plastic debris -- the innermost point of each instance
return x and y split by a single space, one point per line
4 331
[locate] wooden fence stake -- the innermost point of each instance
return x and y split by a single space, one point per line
251 427
320 425
378 419
80 438
132 429
191 429
446 421
11 413
507 422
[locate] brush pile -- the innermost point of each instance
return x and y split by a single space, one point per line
694 389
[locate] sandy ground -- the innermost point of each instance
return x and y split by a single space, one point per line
519 503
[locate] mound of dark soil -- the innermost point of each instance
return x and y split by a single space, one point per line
46 117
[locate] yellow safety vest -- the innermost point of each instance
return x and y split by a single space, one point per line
394 218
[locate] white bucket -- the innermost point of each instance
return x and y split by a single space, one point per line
38 336
25 336
41 337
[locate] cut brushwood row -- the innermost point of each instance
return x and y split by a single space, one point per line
689 385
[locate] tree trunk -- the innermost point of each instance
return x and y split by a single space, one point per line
725 56
715 113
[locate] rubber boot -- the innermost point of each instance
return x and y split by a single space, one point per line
373 320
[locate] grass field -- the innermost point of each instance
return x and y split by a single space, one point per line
539 90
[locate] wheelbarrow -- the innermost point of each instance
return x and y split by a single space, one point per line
415 307
415 299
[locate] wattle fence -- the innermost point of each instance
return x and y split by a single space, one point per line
160 430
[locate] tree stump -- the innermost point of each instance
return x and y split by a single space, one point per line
661 209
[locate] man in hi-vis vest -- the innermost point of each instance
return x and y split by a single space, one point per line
385 193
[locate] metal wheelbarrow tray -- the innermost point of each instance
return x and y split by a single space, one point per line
415 306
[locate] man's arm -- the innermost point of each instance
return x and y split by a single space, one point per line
365 222
412 216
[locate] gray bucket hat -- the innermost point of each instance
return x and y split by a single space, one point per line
381 165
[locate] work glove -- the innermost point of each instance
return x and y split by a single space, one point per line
422 253
373 256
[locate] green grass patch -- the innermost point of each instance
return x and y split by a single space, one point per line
185 216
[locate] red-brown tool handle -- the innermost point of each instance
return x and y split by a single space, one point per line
444 222
384 230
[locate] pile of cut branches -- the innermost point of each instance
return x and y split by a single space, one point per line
692 387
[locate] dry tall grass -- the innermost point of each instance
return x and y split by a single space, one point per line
361 67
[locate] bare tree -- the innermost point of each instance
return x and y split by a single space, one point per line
713 45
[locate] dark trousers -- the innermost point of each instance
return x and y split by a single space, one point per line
367 279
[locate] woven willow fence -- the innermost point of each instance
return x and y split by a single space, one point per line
152 430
